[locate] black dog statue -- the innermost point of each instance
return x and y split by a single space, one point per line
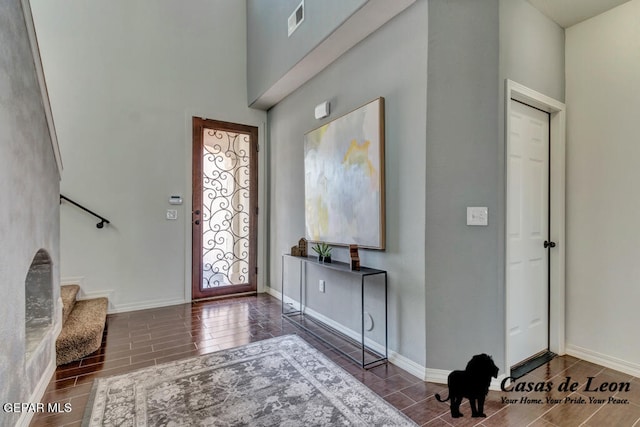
472 383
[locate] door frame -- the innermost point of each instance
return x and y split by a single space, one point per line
198 125
557 153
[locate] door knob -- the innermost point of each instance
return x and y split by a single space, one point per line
549 244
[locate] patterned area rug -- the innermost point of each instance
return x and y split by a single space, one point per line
281 381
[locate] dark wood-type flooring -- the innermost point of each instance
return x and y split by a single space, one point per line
143 338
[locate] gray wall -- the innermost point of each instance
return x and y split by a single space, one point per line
603 100
29 184
392 63
459 161
473 47
271 53
465 287
125 80
531 49
532 52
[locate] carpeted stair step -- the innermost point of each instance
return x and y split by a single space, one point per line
82 333
68 293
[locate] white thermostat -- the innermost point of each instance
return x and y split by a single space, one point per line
477 215
322 110
175 200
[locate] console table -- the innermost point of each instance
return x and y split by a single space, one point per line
298 318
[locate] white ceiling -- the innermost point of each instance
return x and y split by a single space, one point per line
569 12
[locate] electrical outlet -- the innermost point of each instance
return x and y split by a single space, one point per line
321 286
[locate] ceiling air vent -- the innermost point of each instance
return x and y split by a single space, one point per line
296 18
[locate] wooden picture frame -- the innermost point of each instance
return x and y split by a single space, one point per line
344 179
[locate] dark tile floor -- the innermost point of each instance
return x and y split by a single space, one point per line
143 338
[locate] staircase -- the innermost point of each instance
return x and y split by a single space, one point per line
82 325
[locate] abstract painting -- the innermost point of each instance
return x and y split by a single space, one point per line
344 179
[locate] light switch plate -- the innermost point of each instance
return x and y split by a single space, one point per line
477 215
172 214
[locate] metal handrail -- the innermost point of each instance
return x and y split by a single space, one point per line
103 220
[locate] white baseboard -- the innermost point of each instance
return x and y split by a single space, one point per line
414 368
82 294
108 293
75 280
438 376
603 359
395 358
123 308
41 387
274 293
36 396
495 382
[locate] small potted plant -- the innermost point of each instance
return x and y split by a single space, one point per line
324 252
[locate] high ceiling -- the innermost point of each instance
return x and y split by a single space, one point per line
570 12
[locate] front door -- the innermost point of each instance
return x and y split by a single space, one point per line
527 233
225 208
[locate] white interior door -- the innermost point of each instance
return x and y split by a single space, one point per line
527 231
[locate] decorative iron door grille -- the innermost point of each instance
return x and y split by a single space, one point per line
224 217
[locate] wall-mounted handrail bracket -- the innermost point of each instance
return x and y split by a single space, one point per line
103 220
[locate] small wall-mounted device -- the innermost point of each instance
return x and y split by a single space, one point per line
322 110
175 200
295 19
477 215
